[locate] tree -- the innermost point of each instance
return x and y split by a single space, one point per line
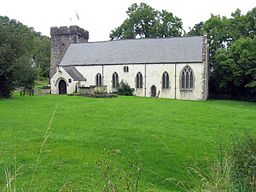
145 22
197 30
41 54
26 74
17 43
237 67
222 33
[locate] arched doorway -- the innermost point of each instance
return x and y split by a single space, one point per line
62 87
153 91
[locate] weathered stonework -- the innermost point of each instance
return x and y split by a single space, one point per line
205 73
61 37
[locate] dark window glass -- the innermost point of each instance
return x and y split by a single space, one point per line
115 80
187 78
126 69
165 81
139 80
98 80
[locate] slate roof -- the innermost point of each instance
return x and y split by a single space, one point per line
133 51
74 73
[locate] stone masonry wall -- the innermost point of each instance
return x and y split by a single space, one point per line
61 37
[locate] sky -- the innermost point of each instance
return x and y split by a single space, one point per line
99 17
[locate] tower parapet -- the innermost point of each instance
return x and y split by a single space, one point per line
61 37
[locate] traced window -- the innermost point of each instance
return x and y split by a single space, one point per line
187 78
115 80
98 80
139 80
126 69
165 81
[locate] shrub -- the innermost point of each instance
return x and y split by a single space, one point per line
100 90
124 89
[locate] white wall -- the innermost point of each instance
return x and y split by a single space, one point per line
90 72
154 77
197 93
129 77
154 74
59 75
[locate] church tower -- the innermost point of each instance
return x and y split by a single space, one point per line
61 37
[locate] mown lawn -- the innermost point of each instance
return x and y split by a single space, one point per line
167 135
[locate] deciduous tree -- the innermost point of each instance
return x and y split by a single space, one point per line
19 46
145 22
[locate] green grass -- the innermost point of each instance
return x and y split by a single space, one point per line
169 135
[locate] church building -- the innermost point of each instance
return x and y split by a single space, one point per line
174 68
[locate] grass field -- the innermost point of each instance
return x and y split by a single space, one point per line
167 135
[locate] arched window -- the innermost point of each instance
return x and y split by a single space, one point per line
139 80
165 81
98 80
187 78
115 80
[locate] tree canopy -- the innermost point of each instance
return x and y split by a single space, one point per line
145 22
231 51
21 50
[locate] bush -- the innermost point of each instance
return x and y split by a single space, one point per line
100 90
124 89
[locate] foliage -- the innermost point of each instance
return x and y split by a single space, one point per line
229 72
41 54
124 89
237 66
16 45
26 75
145 22
19 51
100 90
197 30
233 170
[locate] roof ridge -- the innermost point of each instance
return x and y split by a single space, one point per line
140 39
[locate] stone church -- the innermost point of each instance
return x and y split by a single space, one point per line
159 67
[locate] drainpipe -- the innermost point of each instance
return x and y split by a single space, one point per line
175 86
145 72
102 73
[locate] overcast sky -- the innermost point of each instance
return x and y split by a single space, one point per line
99 17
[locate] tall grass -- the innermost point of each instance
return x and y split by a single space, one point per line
115 177
233 170
11 176
45 138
